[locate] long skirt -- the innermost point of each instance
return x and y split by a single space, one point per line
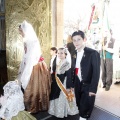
60 107
36 95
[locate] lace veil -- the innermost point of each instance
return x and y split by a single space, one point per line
31 56
68 57
12 102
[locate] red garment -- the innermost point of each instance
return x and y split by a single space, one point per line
41 59
76 71
53 73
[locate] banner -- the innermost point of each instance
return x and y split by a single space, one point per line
91 17
106 24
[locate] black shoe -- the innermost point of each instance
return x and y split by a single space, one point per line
107 88
117 82
104 86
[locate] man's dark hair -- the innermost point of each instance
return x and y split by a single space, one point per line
81 33
54 49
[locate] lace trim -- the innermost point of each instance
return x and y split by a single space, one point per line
61 68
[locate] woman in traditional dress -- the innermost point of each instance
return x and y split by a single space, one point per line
33 73
12 103
60 106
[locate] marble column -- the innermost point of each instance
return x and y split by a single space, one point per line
57 23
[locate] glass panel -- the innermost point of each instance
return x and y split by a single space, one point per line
2 6
2 25
2 33
3 64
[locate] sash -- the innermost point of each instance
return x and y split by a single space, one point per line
69 94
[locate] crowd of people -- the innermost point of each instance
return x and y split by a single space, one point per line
67 87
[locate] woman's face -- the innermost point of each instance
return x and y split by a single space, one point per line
52 52
21 32
78 41
61 54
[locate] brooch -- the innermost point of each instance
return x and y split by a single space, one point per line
74 56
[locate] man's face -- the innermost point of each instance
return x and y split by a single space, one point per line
78 41
52 52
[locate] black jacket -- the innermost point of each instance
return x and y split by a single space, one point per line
90 68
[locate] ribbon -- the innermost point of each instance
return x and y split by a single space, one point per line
69 94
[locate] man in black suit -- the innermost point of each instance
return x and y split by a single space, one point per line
86 72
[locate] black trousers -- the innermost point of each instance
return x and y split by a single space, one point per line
84 102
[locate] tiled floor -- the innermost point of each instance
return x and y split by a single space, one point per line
109 100
101 114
